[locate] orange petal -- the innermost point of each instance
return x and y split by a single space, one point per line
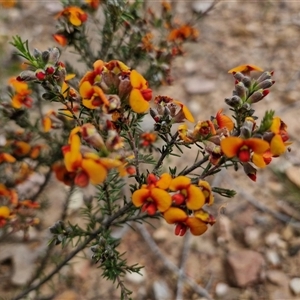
96 171
164 181
245 68
195 198
224 121
231 145
258 146
86 90
137 103
162 199
179 183
196 226
139 197
174 215
110 163
7 157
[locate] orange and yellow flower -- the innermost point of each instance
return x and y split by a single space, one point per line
187 193
140 94
245 69
93 96
89 167
183 221
237 147
93 3
74 14
21 96
183 33
153 195
8 3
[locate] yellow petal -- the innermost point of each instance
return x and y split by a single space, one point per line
174 215
277 145
139 197
161 198
197 227
195 198
164 181
180 182
137 103
96 171
86 90
4 212
258 160
137 80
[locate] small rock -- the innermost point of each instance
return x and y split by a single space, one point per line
136 278
68 295
273 258
277 277
295 285
244 267
161 234
293 174
272 239
161 290
224 231
251 236
199 85
201 6
288 233
221 289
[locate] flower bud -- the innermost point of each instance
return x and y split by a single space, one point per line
238 76
50 69
154 115
246 81
264 76
241 90
265 84
40 74
37 53
234 101
26 76
45 56
91 136
54 54
257 96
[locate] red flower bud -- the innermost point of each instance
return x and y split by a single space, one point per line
40 74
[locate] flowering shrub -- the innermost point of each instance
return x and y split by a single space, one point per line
94 136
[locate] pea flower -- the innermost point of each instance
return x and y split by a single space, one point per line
242 148
74 14
187 193
4 215
245 69
140 94
21 96
153 196
183 221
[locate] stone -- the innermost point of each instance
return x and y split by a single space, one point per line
199 85
161 234
273 258
221 289
277 277
201 6
251 236
136 278
295 285
244 267
161 290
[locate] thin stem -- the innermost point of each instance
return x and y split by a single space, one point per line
165 152
105 225
195 166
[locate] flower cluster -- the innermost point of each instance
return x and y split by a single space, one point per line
178 200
